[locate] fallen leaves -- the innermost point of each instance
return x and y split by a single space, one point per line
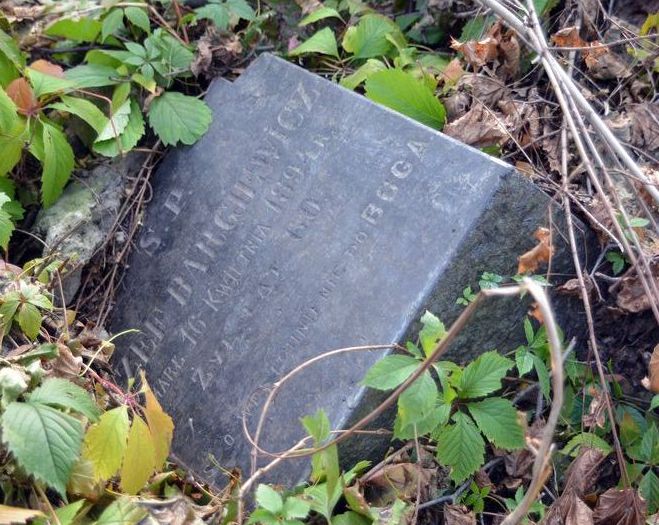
20 91
458 515
631 295
620 507
651 382
479 127
541 253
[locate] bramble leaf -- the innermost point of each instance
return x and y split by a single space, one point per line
105 442
160 425
432 332
390 371
139 460
461 447
44 441
497 419
128 139
269 499
372 37
416 403
586 439
323 42
65 394
179 118
483 375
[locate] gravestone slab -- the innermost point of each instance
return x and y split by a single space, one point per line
308 219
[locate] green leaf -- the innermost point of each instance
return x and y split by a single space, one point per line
122 512
585 439
8 71
323 42
67 514
138 17
390 371
92 75
29 319
269 499
649 488
6 223
649 448
11 145
241 9
497 419
84 109
416 403
655 402
44 84
65 394
116 124
57 163
175 58
217 13
9 48
461 447
112 23
319 14
543 376
406 94
350 518
85 29
139 460
432 332
8 112
105 442
179 118
483 375
523 361
372 37
128 139
362 73
44 441
295 508
318 426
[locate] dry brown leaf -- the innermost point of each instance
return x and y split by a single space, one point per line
486 90
452 72
568 37
400 480
604 64
458 515
652 381
631 294
596 416
569 509
20 91
65 365
620 507
644 128
479 127
539 254
519 463
583 472
572 287
477 53
47 68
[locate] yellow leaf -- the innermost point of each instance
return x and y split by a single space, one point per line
11 515
139 461
105 442
160 425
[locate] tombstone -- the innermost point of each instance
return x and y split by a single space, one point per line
308 219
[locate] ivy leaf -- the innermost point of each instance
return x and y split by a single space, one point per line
128 139
138 17
432 332
160 425
372 37
44 441
497 419
65 394
416 403
319 14
269 499
85 110
179 118
139 460
406 94
323 42
390 371
122 512
29 319
105 442
57 163
483 375
461 447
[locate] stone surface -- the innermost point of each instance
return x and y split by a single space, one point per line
79 222
309 219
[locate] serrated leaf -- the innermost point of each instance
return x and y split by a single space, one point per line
416 403
139 18
85 29
112 22
241 9
649 488
92 75
523 361
8 112
84 109
461 447
44 441
649 448
483 375
9 48
116 124
29 319
372 37
175 58
105 442
128 139
45 84
11 145
6 223
323 42
295 508
390 371
139 460
57 163
318 426
585 439
160 425
497 419
269 499
65 394
432 332
406 94
362 73
122 512
179 118
319 14
16 515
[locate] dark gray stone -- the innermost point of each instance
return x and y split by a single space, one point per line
309 219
